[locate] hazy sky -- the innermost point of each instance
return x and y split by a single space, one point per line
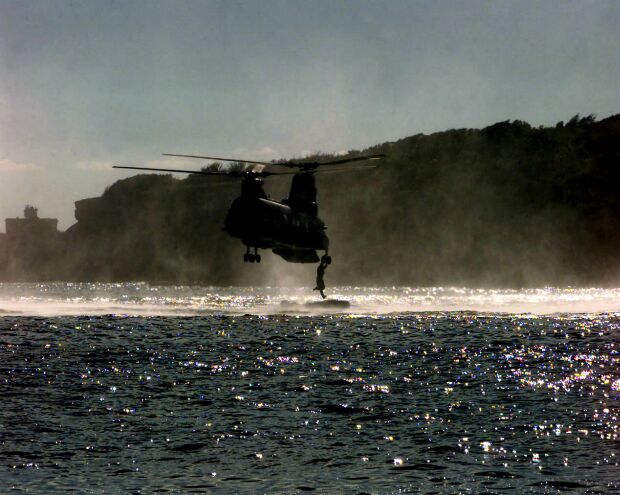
88 84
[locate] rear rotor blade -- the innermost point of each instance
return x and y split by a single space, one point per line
343 169
313 165
350 160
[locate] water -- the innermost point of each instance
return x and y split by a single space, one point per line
56 299
130 388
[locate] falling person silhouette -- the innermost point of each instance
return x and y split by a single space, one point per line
320 283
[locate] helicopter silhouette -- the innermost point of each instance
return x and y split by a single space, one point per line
291 228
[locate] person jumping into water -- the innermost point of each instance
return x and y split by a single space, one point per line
320 283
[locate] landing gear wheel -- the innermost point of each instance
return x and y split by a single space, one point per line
326 259
251 258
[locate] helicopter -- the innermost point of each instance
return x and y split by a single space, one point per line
291 228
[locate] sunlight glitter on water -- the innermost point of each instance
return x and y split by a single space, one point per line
51 299
227 403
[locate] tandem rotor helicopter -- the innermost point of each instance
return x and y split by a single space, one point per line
291 228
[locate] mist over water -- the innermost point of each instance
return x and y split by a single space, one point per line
55 299
137 388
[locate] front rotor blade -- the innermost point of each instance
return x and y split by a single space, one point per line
248 173
219 159
199 172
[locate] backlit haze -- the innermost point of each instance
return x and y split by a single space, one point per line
86 85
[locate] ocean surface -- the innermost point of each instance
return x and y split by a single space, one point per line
131 388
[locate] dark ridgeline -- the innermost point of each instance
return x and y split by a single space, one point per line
507 205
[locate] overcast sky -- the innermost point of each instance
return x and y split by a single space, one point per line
88 84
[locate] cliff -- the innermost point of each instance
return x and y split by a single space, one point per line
507 205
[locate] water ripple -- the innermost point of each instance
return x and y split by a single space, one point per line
442 402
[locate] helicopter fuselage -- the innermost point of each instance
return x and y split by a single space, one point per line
292 227
292 231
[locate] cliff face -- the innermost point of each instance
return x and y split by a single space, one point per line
150 227
507 205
